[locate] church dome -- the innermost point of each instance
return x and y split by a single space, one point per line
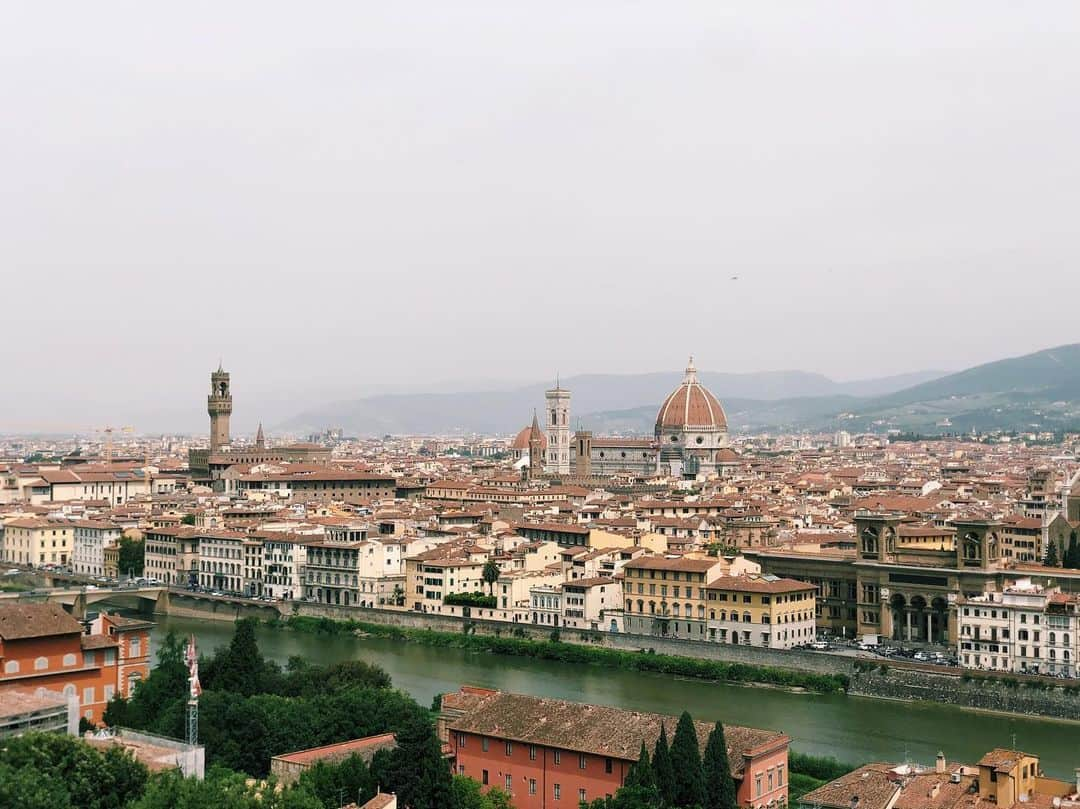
522 440
691 406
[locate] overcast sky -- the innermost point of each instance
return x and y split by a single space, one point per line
337 197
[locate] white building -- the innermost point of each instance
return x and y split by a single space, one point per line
558 431
1024 629
89 541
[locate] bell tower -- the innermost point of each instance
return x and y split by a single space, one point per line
219 406
558 430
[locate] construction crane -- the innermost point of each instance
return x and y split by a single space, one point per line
108 431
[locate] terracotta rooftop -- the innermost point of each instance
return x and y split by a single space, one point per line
22 621
596 729
368 745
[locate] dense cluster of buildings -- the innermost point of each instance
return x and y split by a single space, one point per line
688 533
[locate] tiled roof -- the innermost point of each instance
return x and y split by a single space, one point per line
22 621
597 729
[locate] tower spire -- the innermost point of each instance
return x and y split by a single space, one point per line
260 440
691 371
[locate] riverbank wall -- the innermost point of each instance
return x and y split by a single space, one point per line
867 677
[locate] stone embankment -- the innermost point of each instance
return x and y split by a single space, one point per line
867 677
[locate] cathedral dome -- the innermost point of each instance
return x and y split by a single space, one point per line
522 441
691 406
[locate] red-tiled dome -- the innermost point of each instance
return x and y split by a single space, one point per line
691 406
522 440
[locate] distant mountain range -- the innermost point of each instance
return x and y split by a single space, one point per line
1039 391
1036 391
595 396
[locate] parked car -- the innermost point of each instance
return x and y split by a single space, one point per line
820 646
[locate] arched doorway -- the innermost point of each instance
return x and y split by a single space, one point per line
898 605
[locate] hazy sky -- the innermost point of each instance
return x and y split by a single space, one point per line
339 196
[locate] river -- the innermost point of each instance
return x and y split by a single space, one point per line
853 729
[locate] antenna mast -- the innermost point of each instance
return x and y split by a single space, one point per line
191 657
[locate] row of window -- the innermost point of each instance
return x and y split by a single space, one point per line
70 659
508 786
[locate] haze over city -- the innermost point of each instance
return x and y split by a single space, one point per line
422 197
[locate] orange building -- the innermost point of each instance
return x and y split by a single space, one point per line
549 753
42 646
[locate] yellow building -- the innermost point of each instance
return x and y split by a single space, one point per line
760 611
38 541
666 596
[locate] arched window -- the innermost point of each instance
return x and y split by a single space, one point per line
41 663
133 680
11 667
746 617
675 610
689 609
869 540
69 690
69 659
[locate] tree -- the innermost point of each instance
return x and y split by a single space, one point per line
688 785
640 773
187 519
468 795
716 770
1072 554
491 574
167 683
330 783
398 596
663 770
131 558
1051 559
240 666
416 770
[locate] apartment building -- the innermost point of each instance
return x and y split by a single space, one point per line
665 596
1025 628
90 537
595 604
221 560
550 753
171 555
42 646
284 559
760 611
38 541
453 567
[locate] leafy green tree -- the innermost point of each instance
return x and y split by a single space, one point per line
27 788
167 683
490 574
1051 559
716 770
663 769
331 783
222 789
468 795
688 784
88 778
187 519
417 771
131 557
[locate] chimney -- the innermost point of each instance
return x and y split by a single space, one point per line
940 764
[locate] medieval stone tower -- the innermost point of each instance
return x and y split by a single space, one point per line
219 406
558 431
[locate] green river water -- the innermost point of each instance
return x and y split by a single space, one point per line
853 729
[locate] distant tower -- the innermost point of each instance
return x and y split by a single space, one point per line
219 406
558 430
260 439
536 452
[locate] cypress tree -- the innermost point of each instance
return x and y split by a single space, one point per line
1051 559
640 773
719 785
416 770
689 787
663 770
1072 555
